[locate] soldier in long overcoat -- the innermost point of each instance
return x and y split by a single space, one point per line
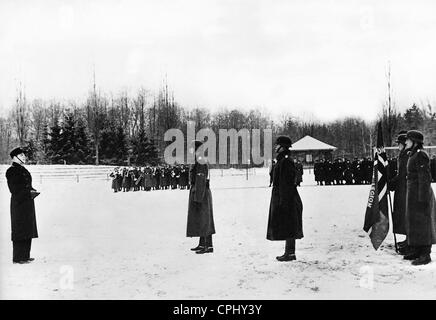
23 218
398 184
420 201
200 212
148 183
115 179
184 177
285 221
300 172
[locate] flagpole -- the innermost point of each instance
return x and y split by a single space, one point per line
390 206
392 217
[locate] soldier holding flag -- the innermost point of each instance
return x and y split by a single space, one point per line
376 216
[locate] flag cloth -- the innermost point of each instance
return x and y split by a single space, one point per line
376 216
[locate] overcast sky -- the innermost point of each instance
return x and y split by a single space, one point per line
322 58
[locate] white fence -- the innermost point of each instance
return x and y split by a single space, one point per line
42 173
77 173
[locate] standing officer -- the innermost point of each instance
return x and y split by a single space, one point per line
285 221
23 219
420 203
398 184
200 211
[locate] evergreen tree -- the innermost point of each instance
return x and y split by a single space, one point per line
31 151
107 146
83 149
413 118
120 146
54 144
142 149
69 139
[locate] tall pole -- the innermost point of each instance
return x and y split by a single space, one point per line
390 206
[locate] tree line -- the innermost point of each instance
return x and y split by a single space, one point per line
128 129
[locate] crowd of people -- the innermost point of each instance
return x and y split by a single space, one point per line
358 171
343 171
161 177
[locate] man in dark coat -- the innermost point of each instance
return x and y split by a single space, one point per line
300 172
420 203
23 219
184 177
285 212
348 173
200 211
328 167
321 172
398 184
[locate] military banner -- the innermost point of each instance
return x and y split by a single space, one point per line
376 217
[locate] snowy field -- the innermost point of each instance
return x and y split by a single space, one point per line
95 244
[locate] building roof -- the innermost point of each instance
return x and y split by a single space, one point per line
309 143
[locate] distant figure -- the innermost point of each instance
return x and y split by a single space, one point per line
420 203
200 210
23 218
285 221
115 175
299 175
348 173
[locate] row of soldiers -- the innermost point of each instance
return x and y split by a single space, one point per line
149 178
343 171
358 171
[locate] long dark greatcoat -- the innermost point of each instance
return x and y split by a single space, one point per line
286 209
398 184
23 219
200 212
421 203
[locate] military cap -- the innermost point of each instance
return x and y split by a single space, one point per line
16 152
415 136
402 136
284 141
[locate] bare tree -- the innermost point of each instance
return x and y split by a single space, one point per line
21 115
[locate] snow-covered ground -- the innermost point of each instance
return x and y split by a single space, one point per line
95 244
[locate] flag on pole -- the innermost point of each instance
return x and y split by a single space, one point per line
376 216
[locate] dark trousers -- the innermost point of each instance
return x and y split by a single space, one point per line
206 241
290 246
21 250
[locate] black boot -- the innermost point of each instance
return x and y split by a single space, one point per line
402 244
289 254
422 260
287 257
207 245
201 245
404 250
205 250
412 256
